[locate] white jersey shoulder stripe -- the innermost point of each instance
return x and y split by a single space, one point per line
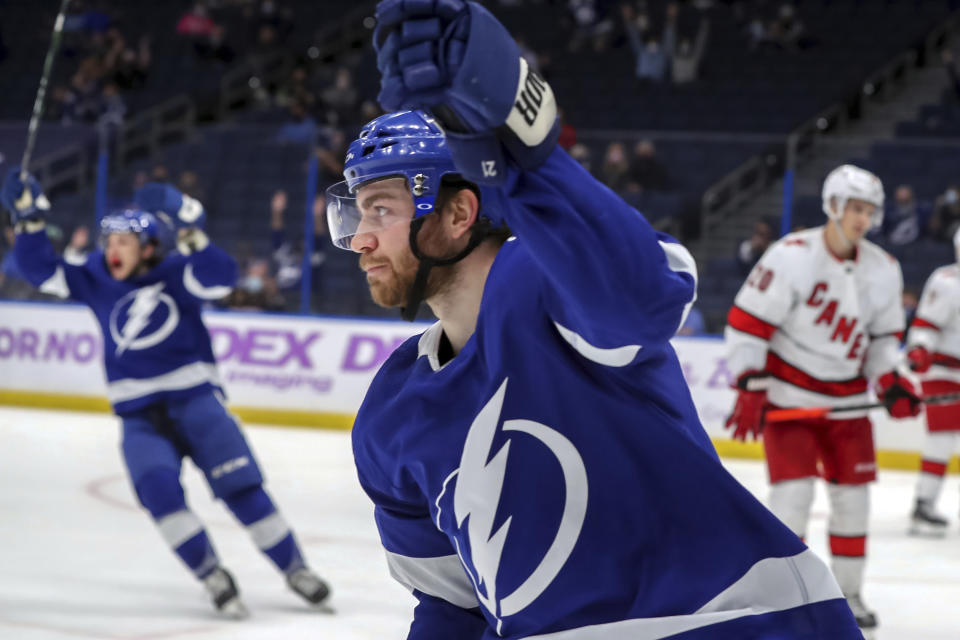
680 260
56 285
196 288
615 357
441 577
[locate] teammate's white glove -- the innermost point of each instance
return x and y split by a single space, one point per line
24 200
164 200
456 61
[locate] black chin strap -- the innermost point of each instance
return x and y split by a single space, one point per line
478 232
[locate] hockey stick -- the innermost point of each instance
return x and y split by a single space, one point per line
806 413
38 101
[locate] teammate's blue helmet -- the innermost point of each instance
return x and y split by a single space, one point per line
145 225
407 144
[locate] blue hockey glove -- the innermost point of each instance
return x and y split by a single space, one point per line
24 201
164 200
456 61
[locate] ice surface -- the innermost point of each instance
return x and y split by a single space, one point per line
79 559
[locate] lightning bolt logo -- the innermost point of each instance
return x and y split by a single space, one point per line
142 307
479 485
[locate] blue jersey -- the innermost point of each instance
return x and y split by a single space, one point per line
154 341
552 480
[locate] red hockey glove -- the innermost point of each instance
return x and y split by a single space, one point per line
919 359
898 395
747 416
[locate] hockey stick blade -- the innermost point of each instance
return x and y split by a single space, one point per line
808 413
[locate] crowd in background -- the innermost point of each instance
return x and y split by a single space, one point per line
320 103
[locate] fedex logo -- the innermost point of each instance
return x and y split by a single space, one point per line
280 348
844 328
264 347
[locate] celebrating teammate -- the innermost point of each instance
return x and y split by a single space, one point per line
818 319
161 375
933 350
535 459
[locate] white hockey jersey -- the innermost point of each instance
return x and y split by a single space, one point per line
936 326
822 327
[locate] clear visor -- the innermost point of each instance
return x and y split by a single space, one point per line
375 206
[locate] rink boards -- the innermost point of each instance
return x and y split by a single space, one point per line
313 371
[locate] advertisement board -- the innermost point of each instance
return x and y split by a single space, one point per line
314 371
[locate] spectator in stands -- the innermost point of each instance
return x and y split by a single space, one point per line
63 105
591 23
295 89
112 107
615 172
301 129
788 30
340 100
685 57
946 215
651 57
647 173
904 218
140 178
331 150
568 133
79 246
189 183
133 66
195 23
581 153
215 47
288 256
751 249
257 289
159 173
950 65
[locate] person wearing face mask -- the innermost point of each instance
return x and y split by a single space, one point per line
651 56
946 215
903 220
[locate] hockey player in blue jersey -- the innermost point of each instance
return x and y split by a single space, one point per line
161 375
535 459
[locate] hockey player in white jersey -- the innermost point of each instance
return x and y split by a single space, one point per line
817 321
933 350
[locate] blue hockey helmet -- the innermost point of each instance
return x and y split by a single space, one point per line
146 226
407 144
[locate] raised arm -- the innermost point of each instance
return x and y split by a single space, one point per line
35 257
209 273
614 282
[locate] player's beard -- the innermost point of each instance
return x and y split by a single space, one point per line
391 289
